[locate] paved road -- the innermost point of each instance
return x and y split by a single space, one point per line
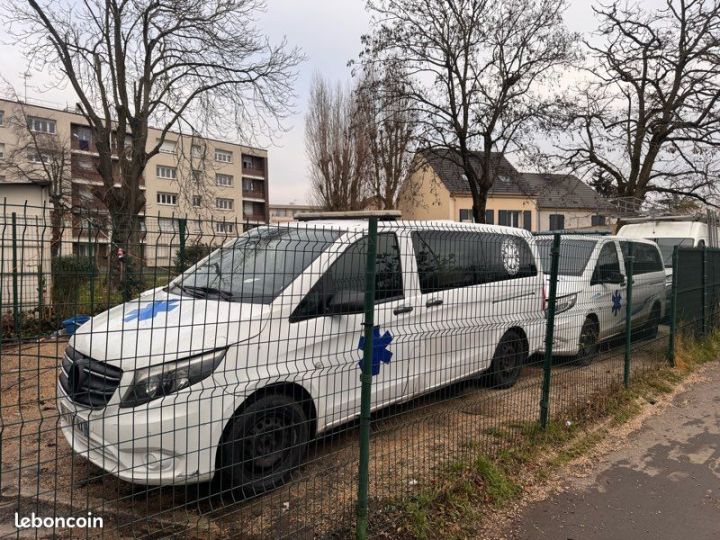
663 484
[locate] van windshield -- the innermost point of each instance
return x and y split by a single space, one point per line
258 265
667 246
574 254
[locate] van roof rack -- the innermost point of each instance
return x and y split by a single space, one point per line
382 215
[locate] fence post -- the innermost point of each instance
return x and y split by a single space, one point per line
16 299
366 381
704 293
673 308
182 227
549 331
628 311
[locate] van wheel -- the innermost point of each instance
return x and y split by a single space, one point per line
653 322
507 361
588 343
262 445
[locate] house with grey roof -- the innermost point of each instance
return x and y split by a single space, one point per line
439 189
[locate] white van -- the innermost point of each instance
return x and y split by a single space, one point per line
238 363
668 232
592 291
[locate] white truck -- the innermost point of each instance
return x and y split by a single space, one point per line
670 231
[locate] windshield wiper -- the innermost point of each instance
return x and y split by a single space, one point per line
204 292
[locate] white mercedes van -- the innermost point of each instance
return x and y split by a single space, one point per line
239 362
592 291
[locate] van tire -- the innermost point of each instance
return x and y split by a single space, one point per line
262 445
653 322
507 361
588 342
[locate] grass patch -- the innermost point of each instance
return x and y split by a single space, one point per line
452 505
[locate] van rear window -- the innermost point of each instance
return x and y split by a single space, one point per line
453 259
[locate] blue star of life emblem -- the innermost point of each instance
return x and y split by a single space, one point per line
150 310
616 302
380 352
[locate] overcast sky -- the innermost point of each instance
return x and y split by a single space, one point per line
328 32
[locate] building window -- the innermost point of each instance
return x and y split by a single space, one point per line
163 171
598 221
490 217
557 222
84 136
223 156
224 179
41 125
2 150
196 151
2 118
37 157
224 227
168 147
509 218
466 215
527 220
168 199
196 201
224 204
251 162
86 165
197 176
195 226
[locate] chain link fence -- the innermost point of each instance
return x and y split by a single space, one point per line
211 379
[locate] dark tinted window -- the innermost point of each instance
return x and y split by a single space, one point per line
574 254
647 258
608 263
451 259
597 221
345 279
490 217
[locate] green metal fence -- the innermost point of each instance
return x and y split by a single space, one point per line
303 380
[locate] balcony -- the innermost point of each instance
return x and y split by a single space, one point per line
253 189
253 165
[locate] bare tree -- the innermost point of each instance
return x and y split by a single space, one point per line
336 148
175 63
389 126
480 70
43 159
647 119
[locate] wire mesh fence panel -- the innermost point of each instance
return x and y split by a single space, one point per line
185 377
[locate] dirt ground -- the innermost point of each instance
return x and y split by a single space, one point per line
409 443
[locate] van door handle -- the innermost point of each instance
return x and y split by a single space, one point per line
434 302
402 309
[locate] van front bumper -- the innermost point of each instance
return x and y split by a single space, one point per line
566 335
172 443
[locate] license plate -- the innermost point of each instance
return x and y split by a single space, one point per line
78 424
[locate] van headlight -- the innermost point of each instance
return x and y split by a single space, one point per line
162 380
563 303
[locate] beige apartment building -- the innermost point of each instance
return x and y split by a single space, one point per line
220 187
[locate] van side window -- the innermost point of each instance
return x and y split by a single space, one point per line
607 264
344 281
647 258
453 259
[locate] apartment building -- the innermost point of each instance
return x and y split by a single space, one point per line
219 186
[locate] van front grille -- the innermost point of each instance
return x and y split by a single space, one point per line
86 381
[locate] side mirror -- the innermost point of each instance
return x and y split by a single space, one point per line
346 302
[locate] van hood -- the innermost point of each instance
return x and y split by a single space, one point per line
159 327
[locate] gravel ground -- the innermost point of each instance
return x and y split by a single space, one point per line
409 443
